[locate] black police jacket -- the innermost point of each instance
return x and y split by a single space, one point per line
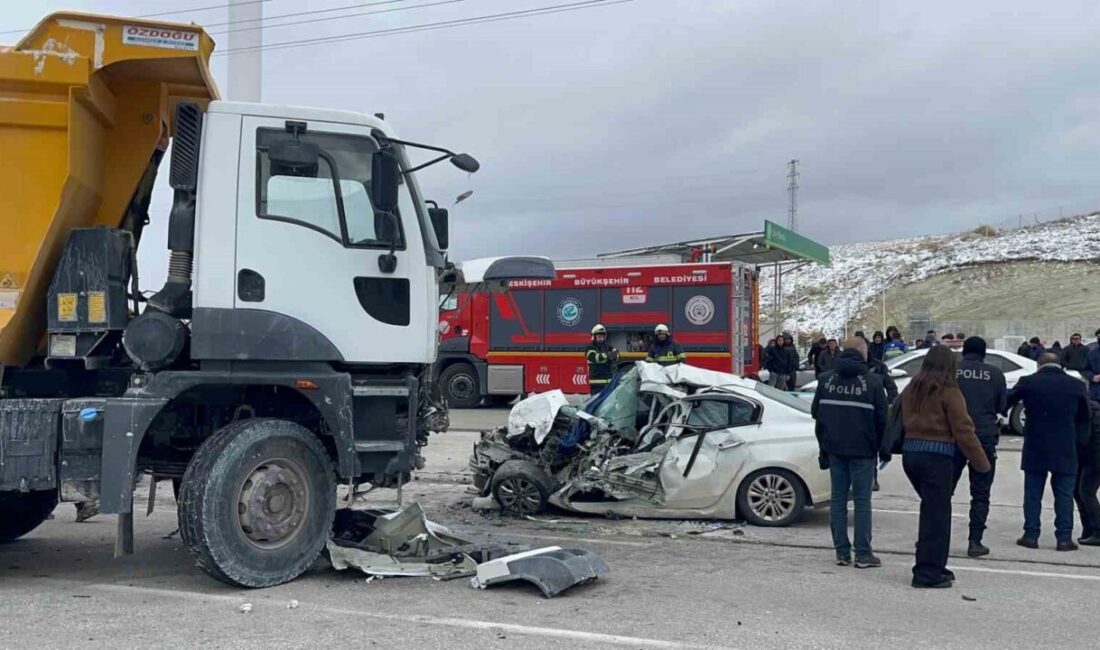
600 356
850 409
983 386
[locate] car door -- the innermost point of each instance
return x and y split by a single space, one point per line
309 243
706 453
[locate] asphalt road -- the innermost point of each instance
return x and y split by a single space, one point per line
672 584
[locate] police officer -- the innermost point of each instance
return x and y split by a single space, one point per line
664 350
983 387
601 357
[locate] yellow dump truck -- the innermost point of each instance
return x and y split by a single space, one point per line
291 346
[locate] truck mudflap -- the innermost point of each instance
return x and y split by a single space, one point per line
551 569
29 431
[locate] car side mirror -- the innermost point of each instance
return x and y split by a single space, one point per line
384 181
441 224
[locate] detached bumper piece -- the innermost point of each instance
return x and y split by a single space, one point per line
551 569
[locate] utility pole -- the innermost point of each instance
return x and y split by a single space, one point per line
245 69
792 194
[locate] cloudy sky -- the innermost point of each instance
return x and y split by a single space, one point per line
658 120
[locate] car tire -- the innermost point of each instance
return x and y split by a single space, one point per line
22 512
521 488
257 502
771 497
1017 418
460 386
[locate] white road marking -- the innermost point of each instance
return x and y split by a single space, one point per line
1036 574
914 512
420 619
582 540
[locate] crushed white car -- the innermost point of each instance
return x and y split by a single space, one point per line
675 442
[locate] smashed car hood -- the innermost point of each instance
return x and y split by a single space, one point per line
660 379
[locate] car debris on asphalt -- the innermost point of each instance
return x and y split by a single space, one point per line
659 442
551 569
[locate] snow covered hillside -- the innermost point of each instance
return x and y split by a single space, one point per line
820 299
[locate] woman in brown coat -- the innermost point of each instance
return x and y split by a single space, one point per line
937 427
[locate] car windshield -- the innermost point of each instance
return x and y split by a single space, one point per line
787 399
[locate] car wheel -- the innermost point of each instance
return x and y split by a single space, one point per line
521 488
1017 420
771 497
257 501
22 512
460 386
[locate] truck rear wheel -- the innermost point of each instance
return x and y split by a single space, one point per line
22 512
257 502
460 386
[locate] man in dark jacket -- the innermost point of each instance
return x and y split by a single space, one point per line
815 350
1075 356
1035 348
984 388
1095 345
826 359
775 362
1088 482
601 357
1057 417
1091 373
850 409
793 361
1024 350
877 349
664 350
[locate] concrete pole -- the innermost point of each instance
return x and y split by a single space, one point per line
245 68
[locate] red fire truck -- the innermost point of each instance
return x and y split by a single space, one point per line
531 338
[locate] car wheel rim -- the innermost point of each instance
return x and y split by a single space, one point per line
274 503
462 387
519 495
771 497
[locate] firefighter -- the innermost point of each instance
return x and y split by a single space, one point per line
601 357
664 350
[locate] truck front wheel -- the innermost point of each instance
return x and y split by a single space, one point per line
22 512
460 386
257 502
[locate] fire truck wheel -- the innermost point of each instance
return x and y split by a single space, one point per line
23 512
257 502
460 386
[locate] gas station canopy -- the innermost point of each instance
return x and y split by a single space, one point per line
773 245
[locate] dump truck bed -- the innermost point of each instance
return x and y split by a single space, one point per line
85 105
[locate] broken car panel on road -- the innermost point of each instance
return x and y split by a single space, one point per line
659 442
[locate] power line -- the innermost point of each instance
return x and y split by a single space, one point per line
447 24
311 12
177 12
319 20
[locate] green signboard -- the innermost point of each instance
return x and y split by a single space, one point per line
776 236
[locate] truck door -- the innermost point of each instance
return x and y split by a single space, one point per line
309 242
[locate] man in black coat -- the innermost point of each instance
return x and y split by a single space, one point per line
1075 356
983 386
850 409
793 361
1088 482
816 349
1058 417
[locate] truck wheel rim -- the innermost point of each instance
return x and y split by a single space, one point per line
462 387
519 495
771 497
273 504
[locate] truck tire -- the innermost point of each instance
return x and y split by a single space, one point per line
257 501
460 387
22 512
521 488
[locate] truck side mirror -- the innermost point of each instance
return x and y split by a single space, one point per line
441 224
385 176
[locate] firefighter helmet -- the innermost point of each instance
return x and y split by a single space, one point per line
661 329
599 329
